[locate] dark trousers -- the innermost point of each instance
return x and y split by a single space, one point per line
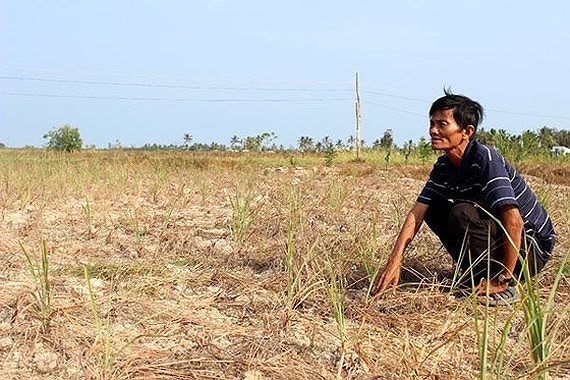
475 241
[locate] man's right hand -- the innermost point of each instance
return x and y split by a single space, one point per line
390 277
391 274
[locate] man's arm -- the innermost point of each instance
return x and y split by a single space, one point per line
391 273
513 223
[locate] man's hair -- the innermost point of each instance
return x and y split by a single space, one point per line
465 111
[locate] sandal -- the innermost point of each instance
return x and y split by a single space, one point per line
461 293
508 296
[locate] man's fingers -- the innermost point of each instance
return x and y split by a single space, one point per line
395 282
383 283
389 277
378 287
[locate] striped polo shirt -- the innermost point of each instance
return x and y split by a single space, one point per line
488 179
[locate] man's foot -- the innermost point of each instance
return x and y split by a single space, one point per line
508 296
461 292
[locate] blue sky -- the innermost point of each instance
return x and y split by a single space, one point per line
149 71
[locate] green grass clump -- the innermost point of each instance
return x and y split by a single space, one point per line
39 273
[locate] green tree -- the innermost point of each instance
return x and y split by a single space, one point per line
266 139
424 148
351 142
327 147
408 148
65 138
531 144
387 140
547 137
306 144
325 144
252 143
235 142
187 141
506 143
259 142
563 138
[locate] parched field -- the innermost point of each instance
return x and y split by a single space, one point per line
243 266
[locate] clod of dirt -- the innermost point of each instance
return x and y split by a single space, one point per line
45 360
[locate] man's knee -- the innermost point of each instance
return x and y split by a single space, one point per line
463 214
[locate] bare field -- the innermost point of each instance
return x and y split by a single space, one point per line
183 266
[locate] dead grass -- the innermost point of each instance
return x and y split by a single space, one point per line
177 297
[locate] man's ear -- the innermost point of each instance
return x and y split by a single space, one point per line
469 131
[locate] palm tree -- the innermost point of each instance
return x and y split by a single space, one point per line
306 144
351 141
235 142
187 140
547 137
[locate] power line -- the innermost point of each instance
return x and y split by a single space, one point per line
395 96
171 86
487 109
170 78
395 109
235 88
529 114
173 99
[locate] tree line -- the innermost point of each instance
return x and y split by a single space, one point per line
517 147
527 144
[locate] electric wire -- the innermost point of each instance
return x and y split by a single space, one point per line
299 100
395 96
529 114
234 88
394 108
170 86
47 71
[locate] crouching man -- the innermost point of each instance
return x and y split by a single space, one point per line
478 205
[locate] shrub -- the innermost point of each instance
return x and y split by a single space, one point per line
65 138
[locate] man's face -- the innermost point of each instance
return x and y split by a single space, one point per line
444 131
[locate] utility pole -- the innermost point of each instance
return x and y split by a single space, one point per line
358 138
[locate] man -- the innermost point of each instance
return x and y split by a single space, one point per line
478 205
